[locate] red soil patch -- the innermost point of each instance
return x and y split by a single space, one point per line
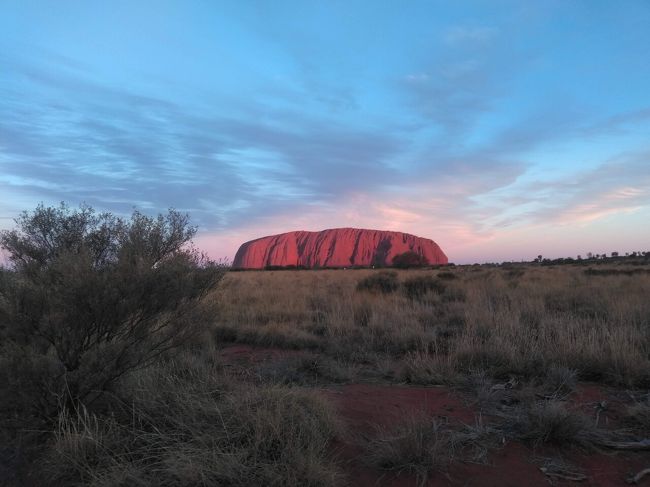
366 406
509 467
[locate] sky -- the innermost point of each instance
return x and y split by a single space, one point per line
500 129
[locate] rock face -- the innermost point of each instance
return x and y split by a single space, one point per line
338 247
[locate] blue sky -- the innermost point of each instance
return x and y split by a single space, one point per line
500 129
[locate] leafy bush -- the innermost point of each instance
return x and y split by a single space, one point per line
409 259
382 282
91 297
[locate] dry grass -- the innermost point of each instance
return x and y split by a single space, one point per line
552 423
421 445
191 420
638 414
506 321
418 445
181 424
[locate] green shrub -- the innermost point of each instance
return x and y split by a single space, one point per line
381 282
91 297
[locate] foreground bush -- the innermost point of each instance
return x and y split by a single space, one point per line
89 298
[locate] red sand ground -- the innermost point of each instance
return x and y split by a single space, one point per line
366 406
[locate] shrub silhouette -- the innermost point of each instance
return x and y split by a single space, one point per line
417 287
409 259
382 282
447 275
90 297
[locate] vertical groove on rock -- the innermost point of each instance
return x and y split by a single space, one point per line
356 248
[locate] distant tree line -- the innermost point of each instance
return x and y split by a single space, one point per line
637 257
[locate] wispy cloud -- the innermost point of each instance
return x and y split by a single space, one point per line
465 34
620 185
84 141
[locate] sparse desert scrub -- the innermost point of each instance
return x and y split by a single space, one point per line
553 423
421 445
517 341
195 419
597 325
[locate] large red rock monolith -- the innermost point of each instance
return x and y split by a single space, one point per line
338 247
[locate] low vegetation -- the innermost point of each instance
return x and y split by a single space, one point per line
105 374
432 326
417 445
113 334
177 424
